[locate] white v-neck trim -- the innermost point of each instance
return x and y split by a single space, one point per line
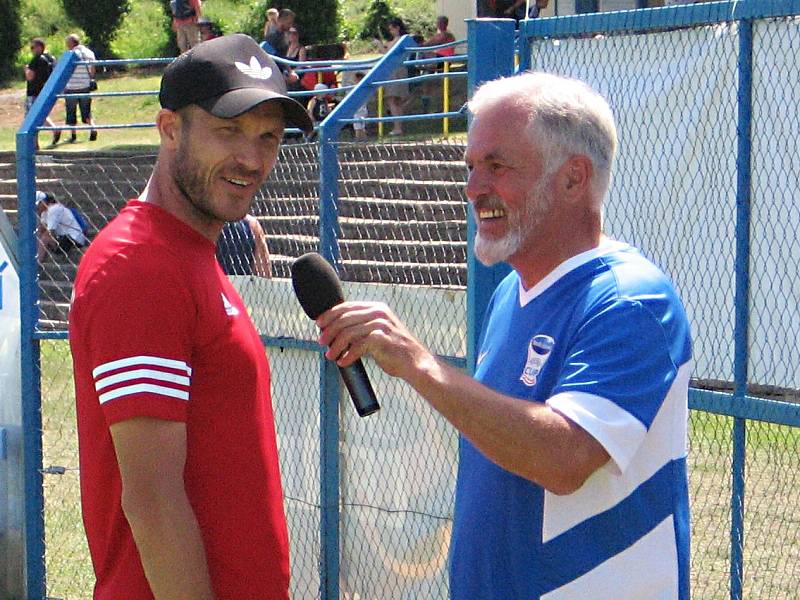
605 247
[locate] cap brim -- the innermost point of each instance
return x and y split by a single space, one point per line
237 102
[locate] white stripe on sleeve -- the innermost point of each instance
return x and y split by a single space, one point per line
141 374
135 361
140 388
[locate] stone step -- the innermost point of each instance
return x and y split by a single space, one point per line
451 275
375 251
59 270
366 207
54 313
55 290
385 188
368 229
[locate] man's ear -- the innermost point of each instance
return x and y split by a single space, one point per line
574 177
168 123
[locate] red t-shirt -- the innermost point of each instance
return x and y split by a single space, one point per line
157 330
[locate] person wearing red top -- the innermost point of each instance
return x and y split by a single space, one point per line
186 15
180 482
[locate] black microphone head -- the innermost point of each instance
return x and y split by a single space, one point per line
316 284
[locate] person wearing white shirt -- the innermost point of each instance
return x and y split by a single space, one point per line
80 83
58 227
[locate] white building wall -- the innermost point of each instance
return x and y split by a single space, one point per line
457 11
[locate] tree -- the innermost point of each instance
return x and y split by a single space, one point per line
375 24
100 19
171 48
9 37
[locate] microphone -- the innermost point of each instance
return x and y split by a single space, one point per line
318 289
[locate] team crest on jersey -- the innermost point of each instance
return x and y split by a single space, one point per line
539 349
230 309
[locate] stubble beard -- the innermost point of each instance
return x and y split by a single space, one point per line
195 185
522 227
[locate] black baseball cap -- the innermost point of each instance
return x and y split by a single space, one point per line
227 76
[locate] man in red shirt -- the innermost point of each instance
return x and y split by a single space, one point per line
180 483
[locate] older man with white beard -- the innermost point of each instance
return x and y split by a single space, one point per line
572 474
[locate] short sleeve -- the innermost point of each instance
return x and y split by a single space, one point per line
137 320
616 376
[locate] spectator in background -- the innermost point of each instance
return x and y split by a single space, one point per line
58 227
80 83
296 52
185 14
442 36
516 10
396 93
319 107
271 24
536 8
242 248
37 72
360 128
208 31
278 38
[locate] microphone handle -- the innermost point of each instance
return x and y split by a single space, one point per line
360 390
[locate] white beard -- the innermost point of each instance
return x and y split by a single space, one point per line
522 226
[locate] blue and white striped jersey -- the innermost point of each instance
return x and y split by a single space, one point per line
604 340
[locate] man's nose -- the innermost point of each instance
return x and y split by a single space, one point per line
251 154
477 184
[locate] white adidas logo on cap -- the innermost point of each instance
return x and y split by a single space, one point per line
254 69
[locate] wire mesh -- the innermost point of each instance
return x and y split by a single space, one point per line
772 503
673 188
69 570
775 264
709 465
402 213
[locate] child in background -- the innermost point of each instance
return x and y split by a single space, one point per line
360 129
271 24
318 107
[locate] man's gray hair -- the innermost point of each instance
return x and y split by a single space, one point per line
565 117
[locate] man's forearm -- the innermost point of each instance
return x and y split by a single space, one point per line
528 439
171 549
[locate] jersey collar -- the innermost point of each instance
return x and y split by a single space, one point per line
606 247
172 228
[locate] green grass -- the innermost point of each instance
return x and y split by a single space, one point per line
69 571
121 110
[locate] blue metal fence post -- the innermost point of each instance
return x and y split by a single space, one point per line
30 369
523 52
491 55
742 297
330 386
29 316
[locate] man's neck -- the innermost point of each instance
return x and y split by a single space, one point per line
162 191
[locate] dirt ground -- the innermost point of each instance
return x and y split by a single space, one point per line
12 107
